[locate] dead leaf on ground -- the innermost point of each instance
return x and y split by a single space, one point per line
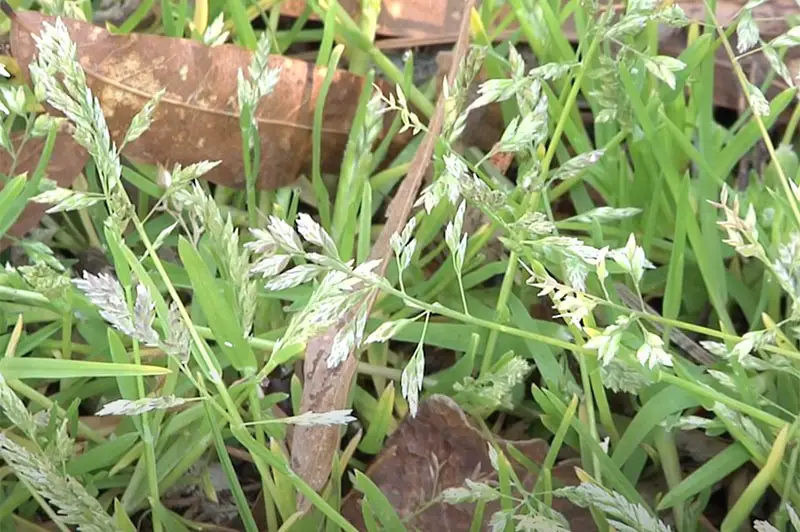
410 18
426 22
440 449
435 18
326 389
198 117
64 166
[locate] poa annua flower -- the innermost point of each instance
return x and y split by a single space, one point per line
651 354
456 242
349 337
533 225
180 176
606 214
572 305
574 308
341 290
14 409
142 120
607 343
215 34
723 378
494 457
177 341
262 242
622 376
14 98
492 390
631 258
284 236
472 491
455 93
75 505
743 423
68 8
564 246
66 199
46 280
538 523
124 407
270 266
742 232
787 266
497 90
600 265
411 379
333 417
447 185
57 54
400 105
404 247
747 34
664 67
313 233
399 241
337 294
207 218
387 330
106 293
525 132
692 423
370 130
500 520
551 71
620 512
261 81
576 272
577 165
296 276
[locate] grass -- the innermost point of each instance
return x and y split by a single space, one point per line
209 294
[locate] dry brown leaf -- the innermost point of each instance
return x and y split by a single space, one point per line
327 389
409 18
427 22
67 161
434 19
198 118
440 449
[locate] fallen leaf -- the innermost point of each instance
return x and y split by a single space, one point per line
410 18
425 22
434 19
198 117
440 449
66 163
327 389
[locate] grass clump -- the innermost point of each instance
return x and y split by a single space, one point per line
615 272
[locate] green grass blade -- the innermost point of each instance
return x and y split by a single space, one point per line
379 423
217 309
320 190
711 472
53 368
666 402
383 509
245 514
241 23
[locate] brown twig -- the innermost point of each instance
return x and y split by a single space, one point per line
326 389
